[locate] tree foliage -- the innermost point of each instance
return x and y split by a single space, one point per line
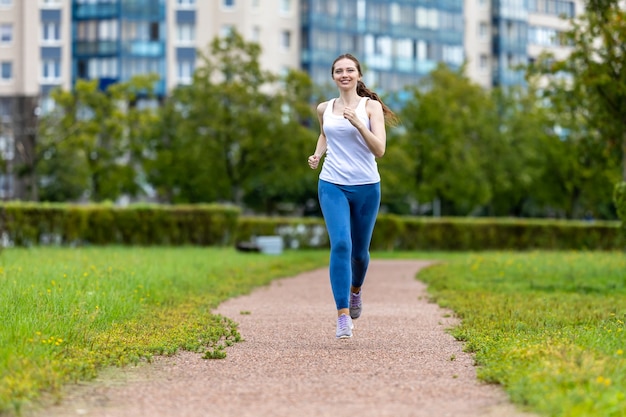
592 79
236 134
448 129
89 144
491 152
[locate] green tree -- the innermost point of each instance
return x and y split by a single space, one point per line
89 143
236 134
520 155
283 177
396 169
593 76
587 91
449 126
580 170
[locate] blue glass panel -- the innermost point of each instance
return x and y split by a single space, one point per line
185 16
50 15
185 54
50 52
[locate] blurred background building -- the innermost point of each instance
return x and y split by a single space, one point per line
45 44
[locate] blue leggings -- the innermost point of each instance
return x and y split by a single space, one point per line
350 214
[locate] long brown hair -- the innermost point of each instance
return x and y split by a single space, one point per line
390 117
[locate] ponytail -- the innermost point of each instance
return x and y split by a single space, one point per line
391 118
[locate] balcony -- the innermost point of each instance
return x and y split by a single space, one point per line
144 48
144 9
90 48
95 11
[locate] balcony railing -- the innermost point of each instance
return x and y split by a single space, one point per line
144 48
96 11
86 48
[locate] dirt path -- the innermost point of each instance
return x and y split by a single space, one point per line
400 362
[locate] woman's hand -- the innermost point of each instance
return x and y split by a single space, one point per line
314 161
350 115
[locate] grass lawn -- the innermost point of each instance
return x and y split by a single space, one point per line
548 326
66 313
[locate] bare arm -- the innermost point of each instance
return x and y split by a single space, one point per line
376 136
320 147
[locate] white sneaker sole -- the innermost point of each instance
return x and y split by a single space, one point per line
345 336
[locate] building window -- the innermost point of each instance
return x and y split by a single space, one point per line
154 31
51 70
87 30
427 18
107 30
256 34
404 48
7 147
6 3
51 31
186 32
186 3
184 72
6 71
452 54
226 31
554 7
6 33
285 6
51 3
285 39
229 4
483 30
46 104
395 15
484 62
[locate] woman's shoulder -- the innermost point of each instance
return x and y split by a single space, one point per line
372 104
321 108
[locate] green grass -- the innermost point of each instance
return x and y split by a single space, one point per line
66 313
548 327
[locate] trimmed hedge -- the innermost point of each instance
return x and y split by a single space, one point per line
452 234
27 224
449 234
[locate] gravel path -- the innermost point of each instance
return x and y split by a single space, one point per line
400 361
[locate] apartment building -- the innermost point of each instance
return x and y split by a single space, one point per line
34 58
46 44
397 41
500 35
116 39
274 24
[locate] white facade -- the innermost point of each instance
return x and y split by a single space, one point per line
477 42
274 24
25 35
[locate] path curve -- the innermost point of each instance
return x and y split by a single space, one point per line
400 362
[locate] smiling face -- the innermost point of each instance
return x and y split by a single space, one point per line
346 73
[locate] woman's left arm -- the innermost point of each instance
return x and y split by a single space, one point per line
376 136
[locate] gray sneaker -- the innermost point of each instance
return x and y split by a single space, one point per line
344 327
356 305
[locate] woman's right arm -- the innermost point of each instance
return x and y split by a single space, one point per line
320 147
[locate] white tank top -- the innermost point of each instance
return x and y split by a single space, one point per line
348 159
